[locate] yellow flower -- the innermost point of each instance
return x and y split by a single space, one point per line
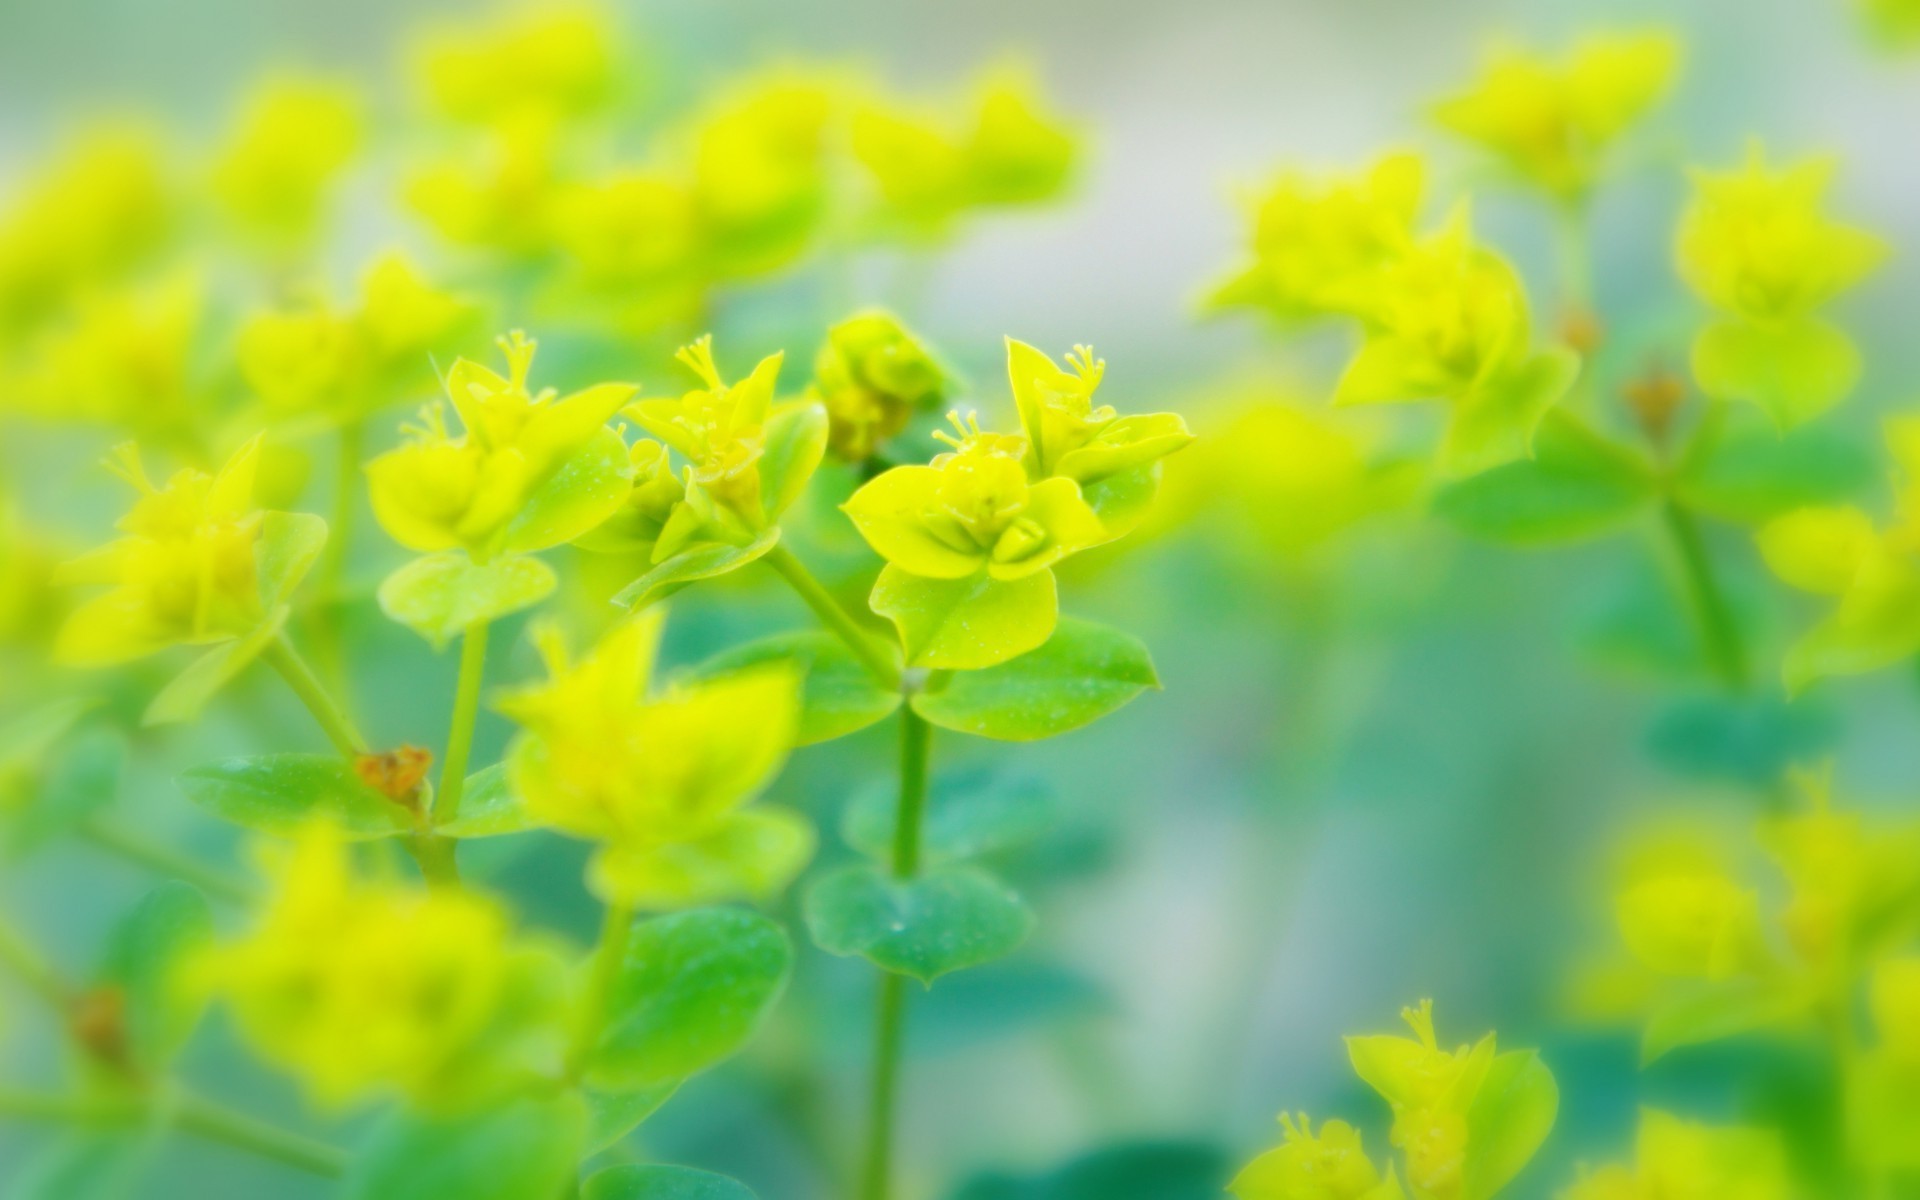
1319 244
662 782
928 170
123 358
528 471
1873 572
657 493
634 231
502 198
184 573
1328 1165
404 318
361 987
1894 996
1553 122
1070 436
759 174
1690 924
290 145
873 375
1679 1160
1449 321
1844 873
546 60
298 359
1895 22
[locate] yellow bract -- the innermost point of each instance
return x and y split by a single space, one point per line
759 172
1553 122
1318 245
662 782
290 145
1679 1160
1431 1091
439 491
545 61
184 573
360 987
1328 1165
721 430
1071 437
123 357
872 376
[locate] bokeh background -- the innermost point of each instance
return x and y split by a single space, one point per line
1389 776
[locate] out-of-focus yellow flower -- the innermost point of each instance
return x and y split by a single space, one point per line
185 572
636 236
1449 321
545 60
528 470
1679 1160
929 170
1690 924
103 206
1894 997
501 198
759 174
123 358
873 375
291 144
1758 246
361 987
1319 244
298 359
1884 1109
1328 1165
1553 122
662 782
1873 572
657 493
1895 22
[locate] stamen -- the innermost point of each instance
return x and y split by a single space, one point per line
124 461
519 349
699 358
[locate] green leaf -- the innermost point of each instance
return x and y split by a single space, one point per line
1082 673
187 694
838 695
969 813
439 595
582 492
289 545
489 807
796 440
527 1149
86 1165
703 561
1794 370
26 740
1755 474
145 955
1747 740
611 1116
692 990
280 793
1576 485
925 927
1712 1012
1146 1170
634 1182
83 780
966 624
1495 423
1511 1116
1123 499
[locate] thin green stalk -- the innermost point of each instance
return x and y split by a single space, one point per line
1718 632
610 953
889 1029
466 710
135 847
19 956
202 1118
834 617
339 728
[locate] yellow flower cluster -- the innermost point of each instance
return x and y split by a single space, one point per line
971 539
1675 1159
660 782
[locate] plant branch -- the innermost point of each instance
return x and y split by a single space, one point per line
1719 634
339 728
833 616
466 710
608 956
190 1114
135 847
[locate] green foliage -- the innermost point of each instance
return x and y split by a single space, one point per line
968 814
1127 1171
927 926
188 693
703 561
282 793
635 1182
489 807
147 955
1510 1118
838 694
1080 674
1753 474
1794 370
691 989
970 623
524 1149
1577 484
440 596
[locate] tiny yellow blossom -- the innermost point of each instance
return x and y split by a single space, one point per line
291 144
1318 245
361 987
123 358
1328 1165
636 231
1553 122
1680 1160
662 782
873 376
1068 435
1697 924
759 173
547 60
502 197
527 471
185 571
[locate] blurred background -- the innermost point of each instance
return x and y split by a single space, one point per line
1386 772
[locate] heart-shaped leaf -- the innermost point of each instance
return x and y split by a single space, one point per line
969 813
1577 484
528 1148
611 1116
702 561
1082 673
966 624
838 695
692 989
279 793
924 927
439 596
654 1182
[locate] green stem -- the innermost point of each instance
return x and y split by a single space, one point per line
19 956
834 617
1718 632
466 710
201 1118
281 655
164 860
608 957
435 857
889 1029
